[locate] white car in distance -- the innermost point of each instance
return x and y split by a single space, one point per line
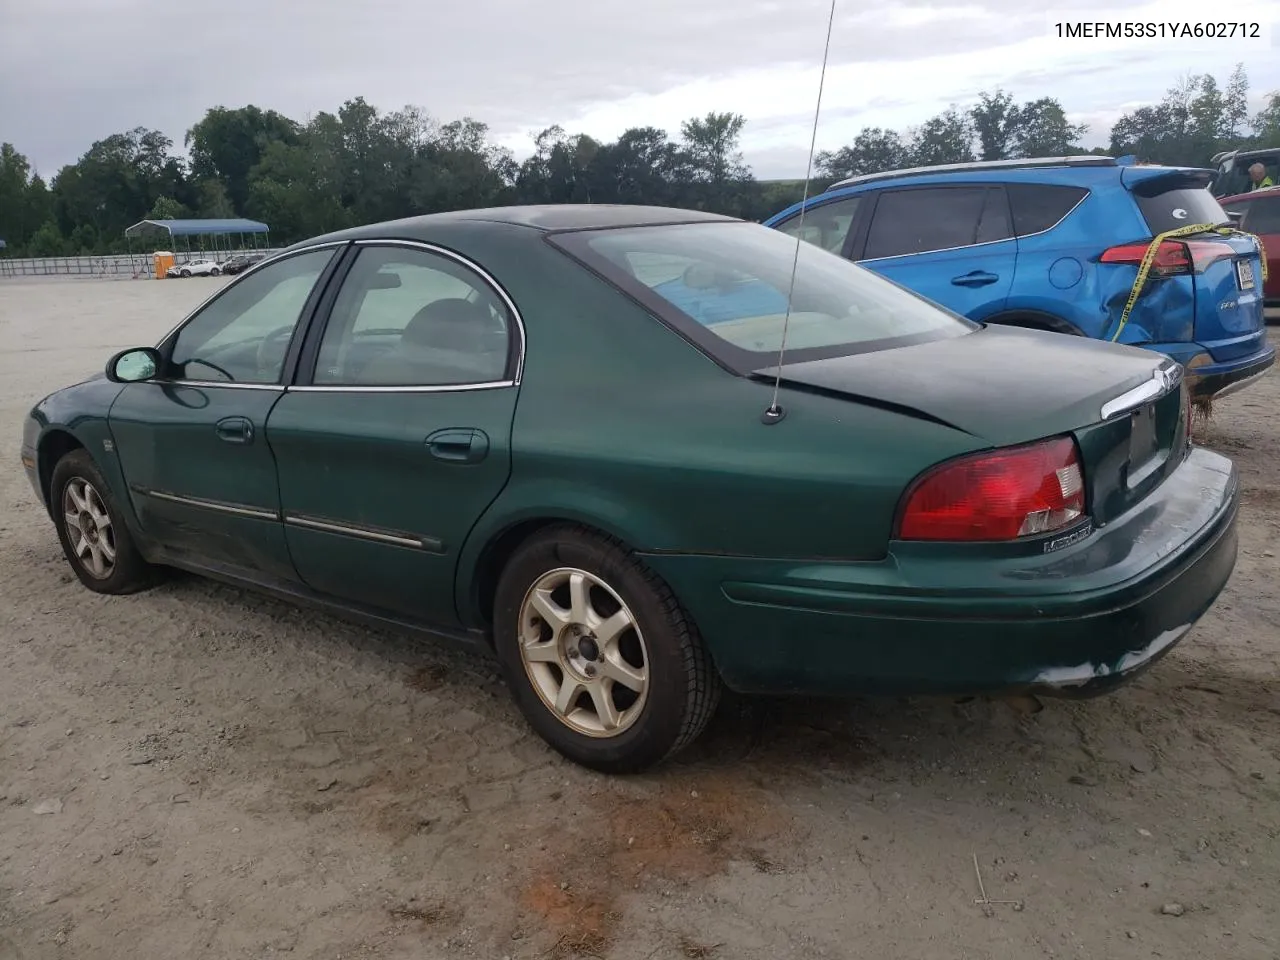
194 268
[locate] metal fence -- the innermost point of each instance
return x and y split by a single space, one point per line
112 267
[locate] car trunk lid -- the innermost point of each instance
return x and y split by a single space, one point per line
1006 386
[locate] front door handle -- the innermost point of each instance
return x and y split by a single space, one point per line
234 430
459 444
975 278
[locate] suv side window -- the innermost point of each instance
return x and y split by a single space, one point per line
1038 206
925 219
826 225
996 223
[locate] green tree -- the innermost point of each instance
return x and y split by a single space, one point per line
1266 124
23 200
1042 130
1236 107
946 138
167 208
997 123
1191 122
873 150
226 144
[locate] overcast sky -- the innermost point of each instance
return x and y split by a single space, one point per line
73 71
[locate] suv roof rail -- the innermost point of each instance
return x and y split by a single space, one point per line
1079 160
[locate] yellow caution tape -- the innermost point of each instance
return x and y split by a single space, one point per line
1148 258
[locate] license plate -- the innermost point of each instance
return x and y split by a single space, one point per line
1244 274
1143 443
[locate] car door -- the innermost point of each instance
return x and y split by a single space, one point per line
953 244
1262 218
397 436
192 442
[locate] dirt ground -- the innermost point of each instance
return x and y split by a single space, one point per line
196 772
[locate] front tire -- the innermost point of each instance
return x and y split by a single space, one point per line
185 274
94 537
214 272
600 657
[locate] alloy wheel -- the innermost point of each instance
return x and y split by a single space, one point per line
89 528
583 652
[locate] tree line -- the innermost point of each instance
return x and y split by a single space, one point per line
360 165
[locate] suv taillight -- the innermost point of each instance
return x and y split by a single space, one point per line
1173 257
997 495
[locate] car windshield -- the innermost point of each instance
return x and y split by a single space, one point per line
725 285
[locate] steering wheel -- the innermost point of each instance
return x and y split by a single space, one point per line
211 365
272 342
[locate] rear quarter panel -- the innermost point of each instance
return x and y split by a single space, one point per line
1058 272
623 425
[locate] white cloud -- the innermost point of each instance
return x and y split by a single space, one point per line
72 71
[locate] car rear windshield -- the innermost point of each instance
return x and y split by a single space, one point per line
724 285
1172 202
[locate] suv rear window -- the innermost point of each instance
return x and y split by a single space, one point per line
1168 203
1039 206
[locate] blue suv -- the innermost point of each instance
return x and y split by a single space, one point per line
1056 244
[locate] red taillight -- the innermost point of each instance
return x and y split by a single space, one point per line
1173 257
1001 495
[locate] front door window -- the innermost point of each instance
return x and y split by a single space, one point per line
242 336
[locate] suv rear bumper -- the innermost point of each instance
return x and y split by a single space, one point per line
1228 376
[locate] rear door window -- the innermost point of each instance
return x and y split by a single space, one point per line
918 221
995 223
1038 207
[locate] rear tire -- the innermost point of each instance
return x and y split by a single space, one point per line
600 657
94 536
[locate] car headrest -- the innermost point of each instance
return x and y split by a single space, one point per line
450 324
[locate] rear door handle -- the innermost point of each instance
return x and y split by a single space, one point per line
976 278
459 444
234 430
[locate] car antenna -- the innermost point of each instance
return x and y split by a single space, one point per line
774 413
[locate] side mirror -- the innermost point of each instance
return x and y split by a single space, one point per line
1235 216
133 365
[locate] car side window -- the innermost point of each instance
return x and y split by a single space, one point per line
918 221
996 222
413 318
243 335
1263 216
825 225
1039 206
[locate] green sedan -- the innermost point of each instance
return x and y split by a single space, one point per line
645 454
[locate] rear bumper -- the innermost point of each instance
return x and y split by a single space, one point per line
965 620
1220 379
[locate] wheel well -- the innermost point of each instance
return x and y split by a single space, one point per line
494 557
1035 320
55 445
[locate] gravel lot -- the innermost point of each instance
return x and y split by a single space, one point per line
196 772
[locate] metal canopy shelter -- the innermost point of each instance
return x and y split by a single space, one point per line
217 230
